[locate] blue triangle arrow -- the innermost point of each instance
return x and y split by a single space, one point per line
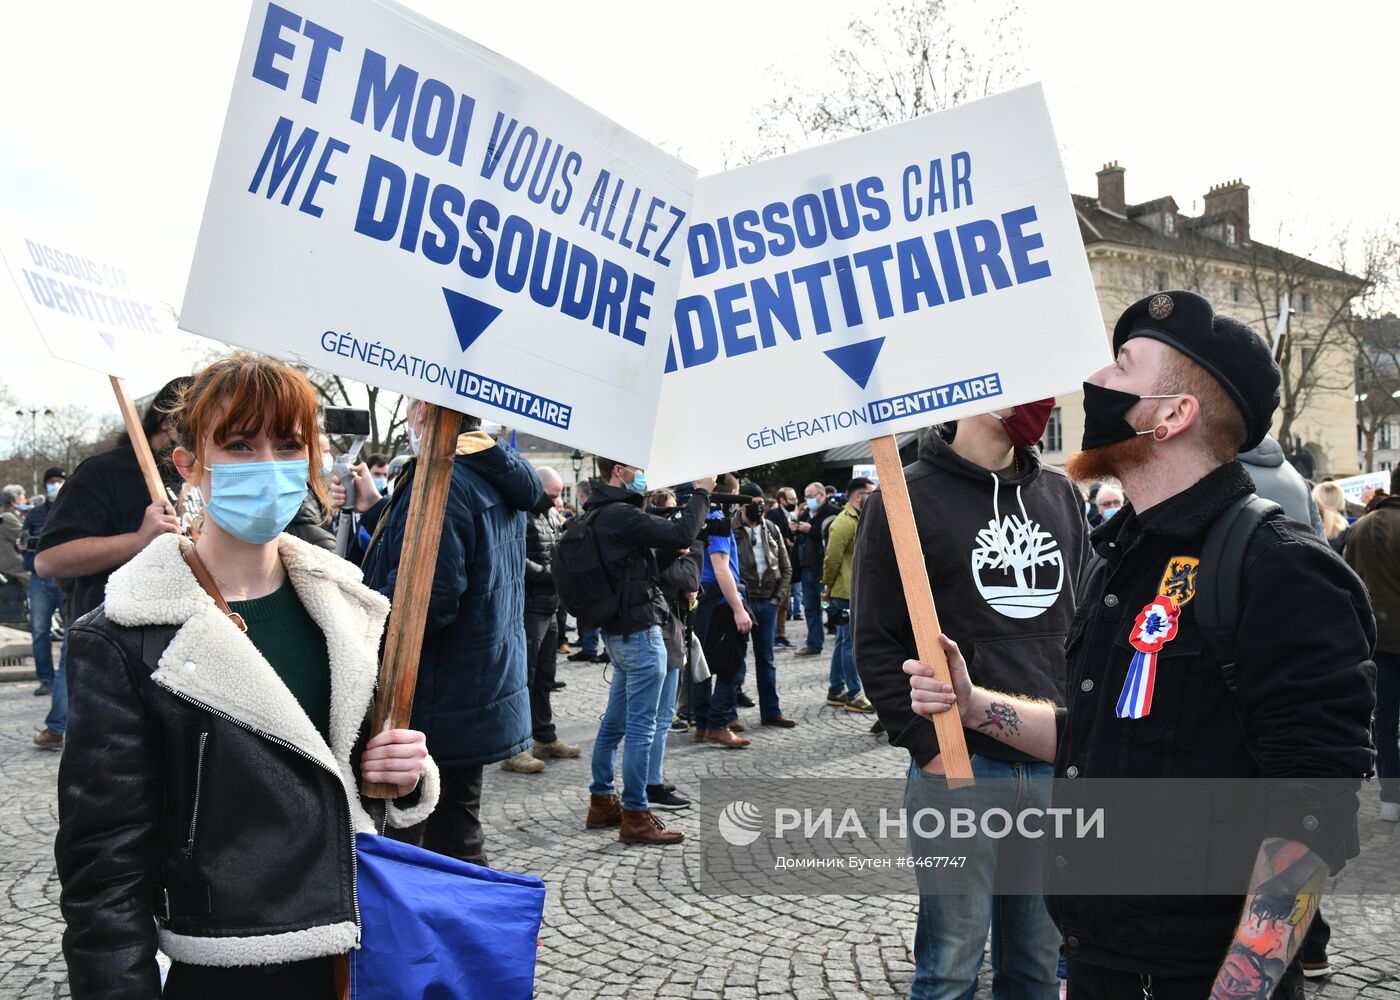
470 316
857 360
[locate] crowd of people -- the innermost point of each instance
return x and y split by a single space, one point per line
219 654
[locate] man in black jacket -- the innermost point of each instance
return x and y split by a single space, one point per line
810 550
627 536
541 628
1004 538
1189 390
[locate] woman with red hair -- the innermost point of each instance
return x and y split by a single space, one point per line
219 727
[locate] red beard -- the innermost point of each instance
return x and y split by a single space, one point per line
1111 461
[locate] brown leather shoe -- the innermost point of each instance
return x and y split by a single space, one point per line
641 827
735 726
47 739
725 738
603 811
781 721
700 734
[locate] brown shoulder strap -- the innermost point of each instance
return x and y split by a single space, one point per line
206 580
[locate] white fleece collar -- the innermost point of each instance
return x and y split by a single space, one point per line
212 663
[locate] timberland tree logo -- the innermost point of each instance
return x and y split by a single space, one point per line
1017 565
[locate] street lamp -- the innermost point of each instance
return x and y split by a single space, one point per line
577 459
34 441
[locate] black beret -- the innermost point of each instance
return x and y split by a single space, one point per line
1231 352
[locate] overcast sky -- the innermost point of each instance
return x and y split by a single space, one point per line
112 112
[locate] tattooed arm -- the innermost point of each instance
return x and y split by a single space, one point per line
1024 723
1283 895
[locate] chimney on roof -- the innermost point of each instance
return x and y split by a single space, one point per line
1231 202
1111 188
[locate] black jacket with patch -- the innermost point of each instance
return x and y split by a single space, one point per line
1301 708
1003 556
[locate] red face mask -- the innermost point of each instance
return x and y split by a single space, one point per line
1027 425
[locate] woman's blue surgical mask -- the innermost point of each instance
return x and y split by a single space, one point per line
638 483
1110 513
254 501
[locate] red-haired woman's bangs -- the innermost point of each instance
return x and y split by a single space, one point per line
261 395
244 394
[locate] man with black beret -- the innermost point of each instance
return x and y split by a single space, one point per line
1188 390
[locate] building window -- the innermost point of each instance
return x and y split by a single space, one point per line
1384 466
1230 233
1168 223
1161 280
1304 303
1235 293
1383 436
1054 437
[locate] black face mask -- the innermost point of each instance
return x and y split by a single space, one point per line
1106 415
754 513
544 504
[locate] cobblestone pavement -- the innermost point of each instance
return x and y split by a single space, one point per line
630 921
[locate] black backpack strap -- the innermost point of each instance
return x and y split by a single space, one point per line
1220 586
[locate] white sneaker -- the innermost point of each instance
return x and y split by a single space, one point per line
1390 812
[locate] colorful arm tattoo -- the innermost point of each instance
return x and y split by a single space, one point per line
1282 901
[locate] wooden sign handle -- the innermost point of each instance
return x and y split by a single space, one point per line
139 444
403 640
918 595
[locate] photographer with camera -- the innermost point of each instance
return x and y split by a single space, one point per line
722 623
767 576
632 547
680 584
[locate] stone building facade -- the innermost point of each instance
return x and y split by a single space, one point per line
1137 249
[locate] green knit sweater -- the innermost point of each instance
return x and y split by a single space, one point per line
294 644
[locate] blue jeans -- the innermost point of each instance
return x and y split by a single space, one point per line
1387 718
765 625
665 715
639 673
843 661
952 929
57 719
45 597
589 640
812 608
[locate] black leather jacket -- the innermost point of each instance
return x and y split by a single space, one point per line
541 537
190 793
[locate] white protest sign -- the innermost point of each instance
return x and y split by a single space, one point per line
930 270
398 205
1353 486
88 308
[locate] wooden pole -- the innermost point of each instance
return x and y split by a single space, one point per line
918 595
139 444
403 640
